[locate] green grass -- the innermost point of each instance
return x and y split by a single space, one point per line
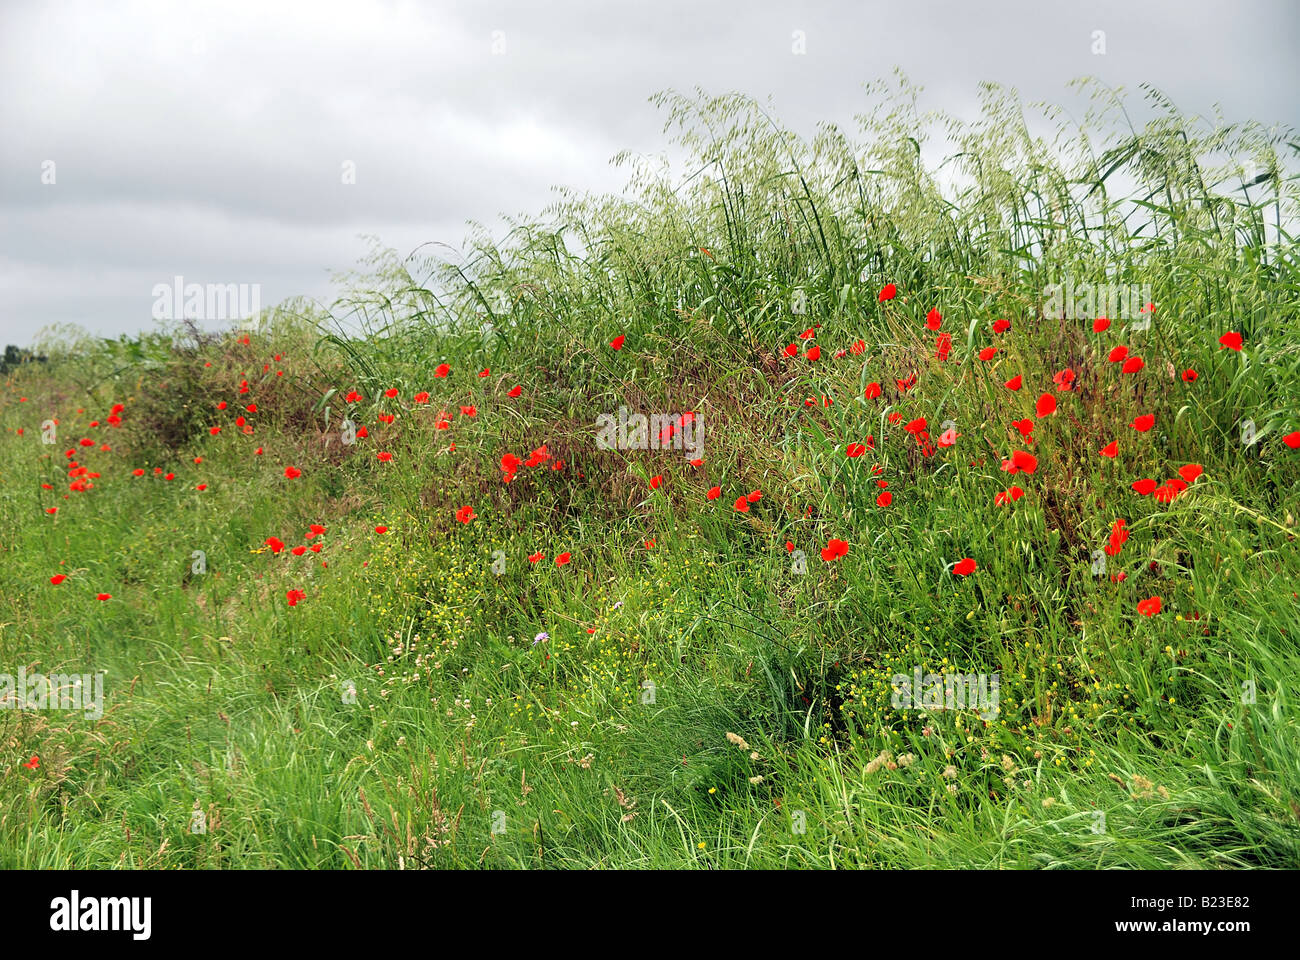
699 701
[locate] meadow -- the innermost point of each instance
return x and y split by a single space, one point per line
375 584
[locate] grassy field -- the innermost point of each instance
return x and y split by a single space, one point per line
367 590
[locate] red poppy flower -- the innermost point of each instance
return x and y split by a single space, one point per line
515 391
814 353
1189 375
1149 607
1292 439
1132 365
741 504
859 347
275 543
1143 487
888 292
291 473
1230 340
1045 406
293 596
58 578
1117 354
942 346
1110 450
916 426
854 450
1100 325
834 550
298 551
1144 422
381 529
933 319
885 499
988 353
465 514
964 567
1191 472
791 350
534 557
137 472
1014 383
755 496
1001 326
441 370
1118 537
33 763
1064 379
1024 461
1007 496
384 456
562 559
872 391
353 397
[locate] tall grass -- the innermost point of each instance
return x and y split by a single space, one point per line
1122 740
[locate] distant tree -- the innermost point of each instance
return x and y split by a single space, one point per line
15 356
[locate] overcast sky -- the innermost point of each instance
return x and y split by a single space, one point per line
208 140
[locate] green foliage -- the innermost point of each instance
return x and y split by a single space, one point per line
682 694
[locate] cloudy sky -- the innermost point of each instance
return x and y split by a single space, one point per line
209 141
